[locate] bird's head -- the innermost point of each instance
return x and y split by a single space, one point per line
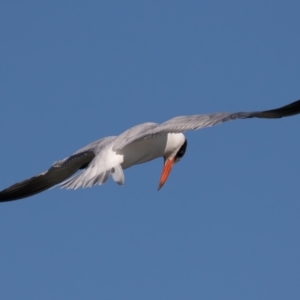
169 162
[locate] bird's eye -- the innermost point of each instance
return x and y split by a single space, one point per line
181 151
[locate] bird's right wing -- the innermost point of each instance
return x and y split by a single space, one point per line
194 122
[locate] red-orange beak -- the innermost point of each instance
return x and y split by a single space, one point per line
168 164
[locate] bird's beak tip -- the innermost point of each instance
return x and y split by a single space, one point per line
168 164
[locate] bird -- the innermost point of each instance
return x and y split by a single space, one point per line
109 156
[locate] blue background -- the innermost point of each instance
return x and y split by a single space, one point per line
226 224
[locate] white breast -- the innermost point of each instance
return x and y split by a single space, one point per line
109 162
146 150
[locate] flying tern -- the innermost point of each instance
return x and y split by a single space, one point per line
109 156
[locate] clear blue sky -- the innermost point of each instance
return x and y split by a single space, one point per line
226 224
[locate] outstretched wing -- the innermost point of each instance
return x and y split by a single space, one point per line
194 122
47 179
59 172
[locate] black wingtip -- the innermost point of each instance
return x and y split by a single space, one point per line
284 111
23 189
55 175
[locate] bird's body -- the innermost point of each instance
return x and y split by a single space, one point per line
143 151
112 162
111 155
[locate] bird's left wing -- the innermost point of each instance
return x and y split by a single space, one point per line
47 179
194 122
60 171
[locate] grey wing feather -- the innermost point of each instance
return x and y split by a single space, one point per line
98 171
130 134
60 171
47 179
194 122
